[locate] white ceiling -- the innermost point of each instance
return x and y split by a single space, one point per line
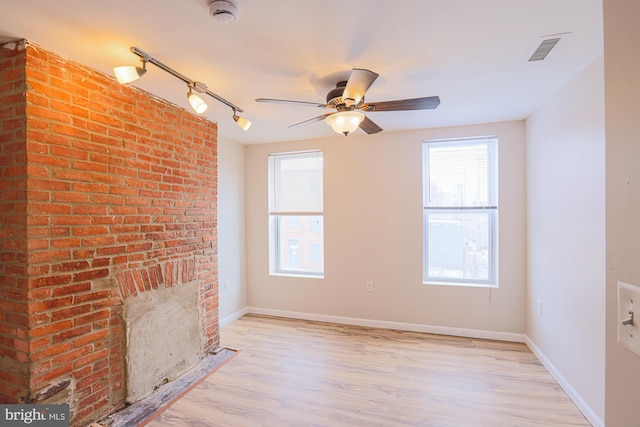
472 53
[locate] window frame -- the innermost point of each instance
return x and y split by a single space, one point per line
492 211
276 227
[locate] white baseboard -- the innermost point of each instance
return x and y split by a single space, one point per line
586 410
413 327
233 317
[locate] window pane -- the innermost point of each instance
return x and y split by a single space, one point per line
458 245
296 183
300 244
459 174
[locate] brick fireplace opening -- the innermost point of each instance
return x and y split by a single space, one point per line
162 327
108 280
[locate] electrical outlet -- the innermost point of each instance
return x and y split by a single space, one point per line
628 320
369 285
225 285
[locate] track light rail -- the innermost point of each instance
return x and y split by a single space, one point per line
192 83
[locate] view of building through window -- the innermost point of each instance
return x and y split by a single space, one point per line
300 243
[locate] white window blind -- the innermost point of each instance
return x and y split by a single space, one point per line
460 173
297 183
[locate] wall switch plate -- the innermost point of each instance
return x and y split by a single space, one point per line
629 317
369 285
539 308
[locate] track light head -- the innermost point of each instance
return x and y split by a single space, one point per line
241 121
198 105
129 73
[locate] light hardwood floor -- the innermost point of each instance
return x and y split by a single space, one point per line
299 373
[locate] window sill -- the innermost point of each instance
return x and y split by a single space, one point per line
460 284
299 275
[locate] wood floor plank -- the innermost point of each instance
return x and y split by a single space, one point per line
301 373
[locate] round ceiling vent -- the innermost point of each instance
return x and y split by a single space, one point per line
224 10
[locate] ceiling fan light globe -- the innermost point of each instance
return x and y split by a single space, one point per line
345 122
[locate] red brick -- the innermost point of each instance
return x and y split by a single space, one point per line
50 281
130 283
100 262
89 188
102 314
90 210
145 280
47 113
90 338
51 328
98 241
90 231
39 343
90 358
71 333
39 381
70 109
92 296
70 312
72 265
82 372
36 307
137 279
71 289
107 303
54 350
71 356
141 247
65 243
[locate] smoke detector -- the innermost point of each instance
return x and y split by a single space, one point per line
224 10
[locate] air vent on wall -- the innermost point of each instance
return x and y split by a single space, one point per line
543 50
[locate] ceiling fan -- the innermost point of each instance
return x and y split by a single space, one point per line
348 99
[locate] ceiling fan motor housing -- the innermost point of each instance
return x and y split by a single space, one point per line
334 97
224 10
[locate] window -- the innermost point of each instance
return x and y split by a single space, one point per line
460 211
296 213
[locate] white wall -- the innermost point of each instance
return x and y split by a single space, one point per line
373 231
622 88
566 237
231 230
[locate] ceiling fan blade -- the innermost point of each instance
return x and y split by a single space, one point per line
286 101
427 103
309 121
359 82
369 126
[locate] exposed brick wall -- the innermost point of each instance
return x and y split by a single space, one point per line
14 320
118 184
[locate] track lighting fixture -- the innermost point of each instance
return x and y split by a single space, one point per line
241 121
198 105
127 74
